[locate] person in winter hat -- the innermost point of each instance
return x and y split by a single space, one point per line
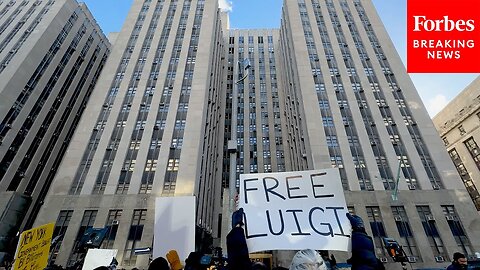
459 262
308 259
363 251
237 249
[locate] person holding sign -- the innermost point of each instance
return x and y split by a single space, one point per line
363 252
237 249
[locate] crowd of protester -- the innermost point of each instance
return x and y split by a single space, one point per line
362 255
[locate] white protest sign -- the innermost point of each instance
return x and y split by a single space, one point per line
174 226
98 257
295 210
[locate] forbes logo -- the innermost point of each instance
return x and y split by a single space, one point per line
445 24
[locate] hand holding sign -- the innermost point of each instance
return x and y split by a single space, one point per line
237 218
295 210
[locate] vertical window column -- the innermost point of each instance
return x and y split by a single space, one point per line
113 221
457 229
134 237
431 231
467 180
406 236
60 229
87 222
378 230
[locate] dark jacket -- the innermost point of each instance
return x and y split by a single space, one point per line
237 250
456 266
363 253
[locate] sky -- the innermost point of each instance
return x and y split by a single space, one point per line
436 90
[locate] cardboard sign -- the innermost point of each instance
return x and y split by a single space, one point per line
295 210
98 257
33 248
174 226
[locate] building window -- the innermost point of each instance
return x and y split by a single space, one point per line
134 237
406 236
125 176
462 130
378 230
457 229
113 220
474 150
431 231
466 179
87 222
60 229
445 141
173 164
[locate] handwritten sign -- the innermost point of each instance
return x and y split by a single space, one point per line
33 248
98 257
174 226
295 210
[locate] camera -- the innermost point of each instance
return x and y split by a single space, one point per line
395 250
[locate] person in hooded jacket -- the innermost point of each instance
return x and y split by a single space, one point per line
363 251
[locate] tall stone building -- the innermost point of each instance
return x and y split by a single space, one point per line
51 54
458 125
350 104
152 128
180 112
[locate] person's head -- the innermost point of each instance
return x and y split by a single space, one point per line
307 259
459 258
159 264
259 266
193 261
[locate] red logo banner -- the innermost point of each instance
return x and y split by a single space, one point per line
443 36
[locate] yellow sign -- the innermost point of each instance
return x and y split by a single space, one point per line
33 248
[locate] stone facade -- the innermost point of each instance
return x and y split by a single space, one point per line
179 112
51 54
458 125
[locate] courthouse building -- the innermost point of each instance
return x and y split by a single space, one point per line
458 125
51 54
179 110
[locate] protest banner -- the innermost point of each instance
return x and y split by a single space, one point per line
98 257
295 210
174 226
33 248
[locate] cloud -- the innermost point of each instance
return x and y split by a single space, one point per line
225 5
436 104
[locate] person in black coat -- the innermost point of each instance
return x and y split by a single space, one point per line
363 251
237 249
459 262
